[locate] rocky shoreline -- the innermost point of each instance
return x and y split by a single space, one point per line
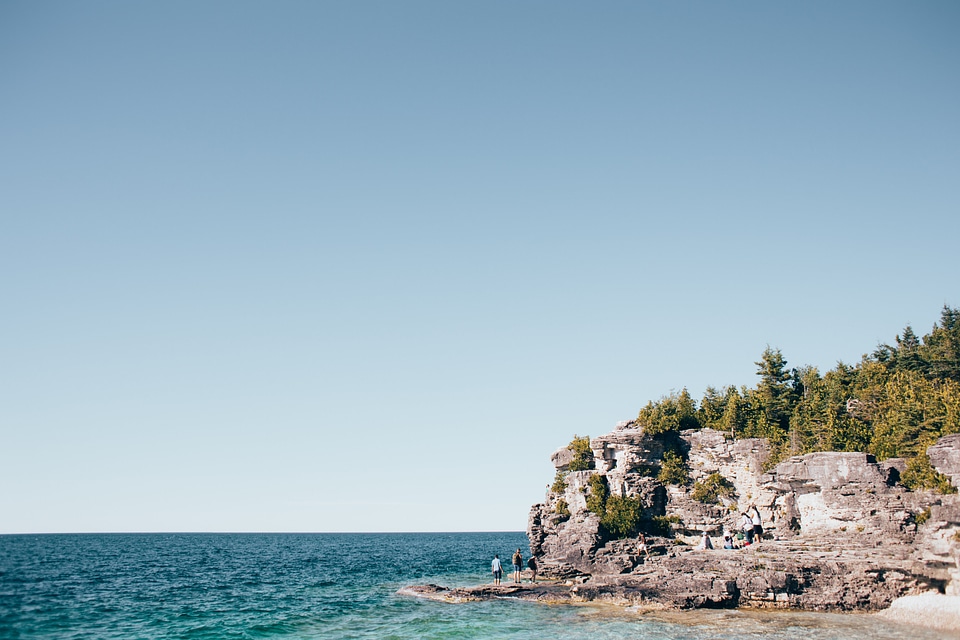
931 610
773 574
841 533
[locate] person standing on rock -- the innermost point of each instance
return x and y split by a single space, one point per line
517 566
642 547
532 565
746 524
757 522
497 569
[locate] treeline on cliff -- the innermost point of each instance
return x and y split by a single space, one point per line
895 402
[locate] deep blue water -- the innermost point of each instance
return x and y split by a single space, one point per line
319 586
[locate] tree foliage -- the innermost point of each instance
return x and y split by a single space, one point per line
582 454
673 469
619 515
895 402
712 409
674 412
559 482
597 498
920 474
622 515
712 488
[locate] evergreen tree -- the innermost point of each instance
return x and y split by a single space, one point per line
907 355
670 413
712 407
774 389
809 429
909 417
687 411
942 346
734 414
895 402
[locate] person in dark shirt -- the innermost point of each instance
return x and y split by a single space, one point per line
532 565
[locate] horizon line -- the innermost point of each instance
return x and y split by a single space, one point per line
153 533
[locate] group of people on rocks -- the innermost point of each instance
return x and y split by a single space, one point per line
751 530
517 561
751 527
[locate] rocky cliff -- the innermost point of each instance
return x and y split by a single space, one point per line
840 531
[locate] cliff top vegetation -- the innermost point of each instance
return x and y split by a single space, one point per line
896 402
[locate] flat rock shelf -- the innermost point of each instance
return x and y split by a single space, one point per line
773 574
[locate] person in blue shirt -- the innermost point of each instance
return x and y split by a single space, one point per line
497 569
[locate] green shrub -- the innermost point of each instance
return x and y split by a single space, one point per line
597 500
582 455
562 509
621 517
662 524
920 474
922 516
670 413
673 469
779 450
711 489
559 482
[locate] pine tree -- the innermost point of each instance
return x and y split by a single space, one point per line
686 411
775 391
907 353
942 347
711 409
895 402
670 413
809 430
734 418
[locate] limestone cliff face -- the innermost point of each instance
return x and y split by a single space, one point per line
945 457
850 535
830 493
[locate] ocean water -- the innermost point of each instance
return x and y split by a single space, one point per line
320 586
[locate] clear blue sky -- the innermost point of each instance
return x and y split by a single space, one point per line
346 266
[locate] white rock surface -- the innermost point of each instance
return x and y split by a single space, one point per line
933 610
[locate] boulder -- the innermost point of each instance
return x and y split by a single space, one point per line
562 458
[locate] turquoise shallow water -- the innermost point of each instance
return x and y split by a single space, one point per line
320 586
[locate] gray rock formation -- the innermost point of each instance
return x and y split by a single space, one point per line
840 532
831 492
945 457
